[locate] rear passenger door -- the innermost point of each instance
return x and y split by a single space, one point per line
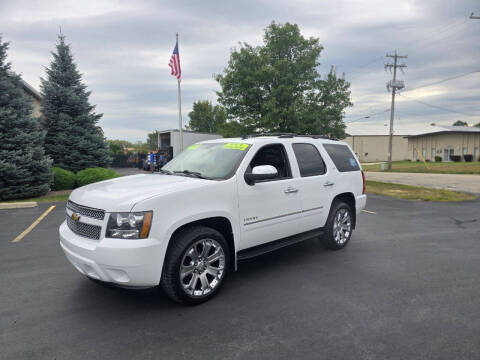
314 187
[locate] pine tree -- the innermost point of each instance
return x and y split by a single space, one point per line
24 168
74 140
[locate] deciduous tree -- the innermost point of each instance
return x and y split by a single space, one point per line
276 87
206 118
152 141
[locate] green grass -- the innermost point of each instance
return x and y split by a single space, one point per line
46 198
409 192
430 167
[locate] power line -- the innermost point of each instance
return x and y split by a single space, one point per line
438 107
444 33
447 30
444 80
368 116
357 69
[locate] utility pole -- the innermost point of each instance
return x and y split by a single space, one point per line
394 84
474 17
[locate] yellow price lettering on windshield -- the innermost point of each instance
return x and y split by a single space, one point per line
235 146
193 147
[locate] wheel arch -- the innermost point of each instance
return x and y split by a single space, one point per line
220 223
349 199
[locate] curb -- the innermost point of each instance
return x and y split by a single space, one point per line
18 205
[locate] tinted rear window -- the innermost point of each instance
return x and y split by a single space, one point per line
309 160
342 157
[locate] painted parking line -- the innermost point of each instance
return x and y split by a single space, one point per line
369 212
35 223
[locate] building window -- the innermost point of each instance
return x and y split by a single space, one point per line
424 153
433 153
475 154
464 150
414 153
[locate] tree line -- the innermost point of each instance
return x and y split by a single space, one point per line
67 134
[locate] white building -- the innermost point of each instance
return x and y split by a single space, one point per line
172 138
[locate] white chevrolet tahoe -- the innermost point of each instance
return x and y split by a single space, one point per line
218 202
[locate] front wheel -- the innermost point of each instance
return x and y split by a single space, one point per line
196 265
338 229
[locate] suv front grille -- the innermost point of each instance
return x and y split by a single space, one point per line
85 230
86 211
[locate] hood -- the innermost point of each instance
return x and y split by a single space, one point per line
121 194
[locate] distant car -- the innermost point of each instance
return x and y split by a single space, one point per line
217 202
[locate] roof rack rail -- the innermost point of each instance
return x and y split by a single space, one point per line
269 134
318 137
288 135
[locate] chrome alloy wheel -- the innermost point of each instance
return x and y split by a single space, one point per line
202 267
342 226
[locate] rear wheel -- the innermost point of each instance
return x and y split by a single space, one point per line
338 229
196 265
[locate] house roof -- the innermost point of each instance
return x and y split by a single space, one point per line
29 89
450 129
365 129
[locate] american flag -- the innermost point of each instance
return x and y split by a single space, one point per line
175 63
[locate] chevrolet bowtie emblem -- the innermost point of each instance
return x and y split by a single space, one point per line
75 217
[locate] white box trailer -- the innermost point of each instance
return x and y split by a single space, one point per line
172 138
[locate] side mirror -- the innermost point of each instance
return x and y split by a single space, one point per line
262 172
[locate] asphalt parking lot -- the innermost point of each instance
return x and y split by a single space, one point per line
406 287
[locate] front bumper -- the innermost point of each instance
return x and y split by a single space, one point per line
130 263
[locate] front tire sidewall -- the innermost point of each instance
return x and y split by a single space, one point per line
170 278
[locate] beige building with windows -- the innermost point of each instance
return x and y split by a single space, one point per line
412 142
445 141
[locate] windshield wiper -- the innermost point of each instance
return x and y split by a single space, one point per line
193 173
167 172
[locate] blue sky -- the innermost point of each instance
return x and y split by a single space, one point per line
123 48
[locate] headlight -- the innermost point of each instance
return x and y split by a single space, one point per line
134 225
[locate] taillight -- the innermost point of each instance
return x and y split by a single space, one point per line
363 179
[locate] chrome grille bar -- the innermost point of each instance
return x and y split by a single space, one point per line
83 229
86 211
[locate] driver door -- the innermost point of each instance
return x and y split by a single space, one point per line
269 209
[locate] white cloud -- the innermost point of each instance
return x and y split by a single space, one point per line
38 10
123 47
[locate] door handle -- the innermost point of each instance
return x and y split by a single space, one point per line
328 183
290 190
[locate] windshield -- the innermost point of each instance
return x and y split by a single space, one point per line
211 160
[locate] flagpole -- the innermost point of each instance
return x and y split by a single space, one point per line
180 112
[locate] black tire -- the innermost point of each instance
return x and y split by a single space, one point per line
329 240
180 243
